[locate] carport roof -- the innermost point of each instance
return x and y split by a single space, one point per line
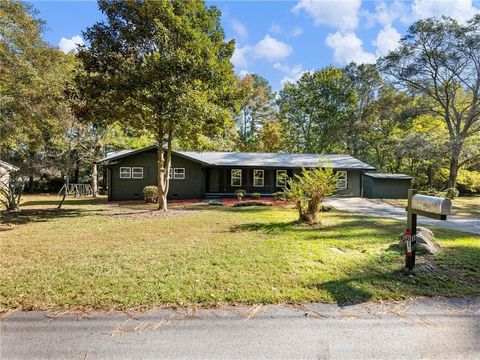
252 159
389 176
8 167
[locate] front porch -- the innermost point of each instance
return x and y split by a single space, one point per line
225 181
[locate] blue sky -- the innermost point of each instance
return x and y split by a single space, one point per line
282 39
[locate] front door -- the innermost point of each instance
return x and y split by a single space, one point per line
213 180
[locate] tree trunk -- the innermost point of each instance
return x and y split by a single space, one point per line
452 178
164 165
454 163
94 180
30 184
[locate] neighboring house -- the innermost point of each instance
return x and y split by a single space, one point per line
198 175
5 170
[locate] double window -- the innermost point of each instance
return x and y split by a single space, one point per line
258 178
342 180
176 173
131 172
236 177
281 178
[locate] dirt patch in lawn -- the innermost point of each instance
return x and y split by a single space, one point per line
148 214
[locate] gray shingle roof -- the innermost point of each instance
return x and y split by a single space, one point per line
219 158
389 176
336 161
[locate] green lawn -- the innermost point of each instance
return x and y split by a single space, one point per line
92 255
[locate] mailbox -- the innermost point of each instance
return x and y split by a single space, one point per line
431 204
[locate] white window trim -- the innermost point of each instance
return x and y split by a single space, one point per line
342 180
277 178
262 178
237 177
129 176
136 168
181 175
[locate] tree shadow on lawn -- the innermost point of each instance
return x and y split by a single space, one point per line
74 201
25 216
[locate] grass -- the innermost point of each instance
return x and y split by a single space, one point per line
85 257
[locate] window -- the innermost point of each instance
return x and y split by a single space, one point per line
179 173
125 173
236 177
137 172
341 180
170 172
258 178
281 178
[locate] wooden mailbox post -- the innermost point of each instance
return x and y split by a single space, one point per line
429 206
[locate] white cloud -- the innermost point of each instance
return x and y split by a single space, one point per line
271 49
292 74
387 12
67 45
297 31
240 29
275 28
243 73
239 57
341 14
462 10
387 40
347 47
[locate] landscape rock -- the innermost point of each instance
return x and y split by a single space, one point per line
426 242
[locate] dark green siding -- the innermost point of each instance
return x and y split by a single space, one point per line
375 188
354 183
192 187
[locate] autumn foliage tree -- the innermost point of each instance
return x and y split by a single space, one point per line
439 59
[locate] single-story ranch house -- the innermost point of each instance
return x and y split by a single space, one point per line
5 170
196 175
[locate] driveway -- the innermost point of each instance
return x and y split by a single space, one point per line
364 206
413 329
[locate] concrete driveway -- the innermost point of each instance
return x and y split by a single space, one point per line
413 329
364 206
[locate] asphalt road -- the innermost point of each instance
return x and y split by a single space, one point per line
364 206
415 329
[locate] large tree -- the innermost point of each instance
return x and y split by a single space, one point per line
440 60
315 110
257 110
32 83
161 66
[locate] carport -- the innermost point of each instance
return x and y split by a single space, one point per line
386 186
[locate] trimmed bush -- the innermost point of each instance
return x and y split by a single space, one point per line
240 193
451 193
279 195
256 195
251 203
150 194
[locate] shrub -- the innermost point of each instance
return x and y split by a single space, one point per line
308 191
252 203
240 193
451 193
256 195
150 194
279 195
